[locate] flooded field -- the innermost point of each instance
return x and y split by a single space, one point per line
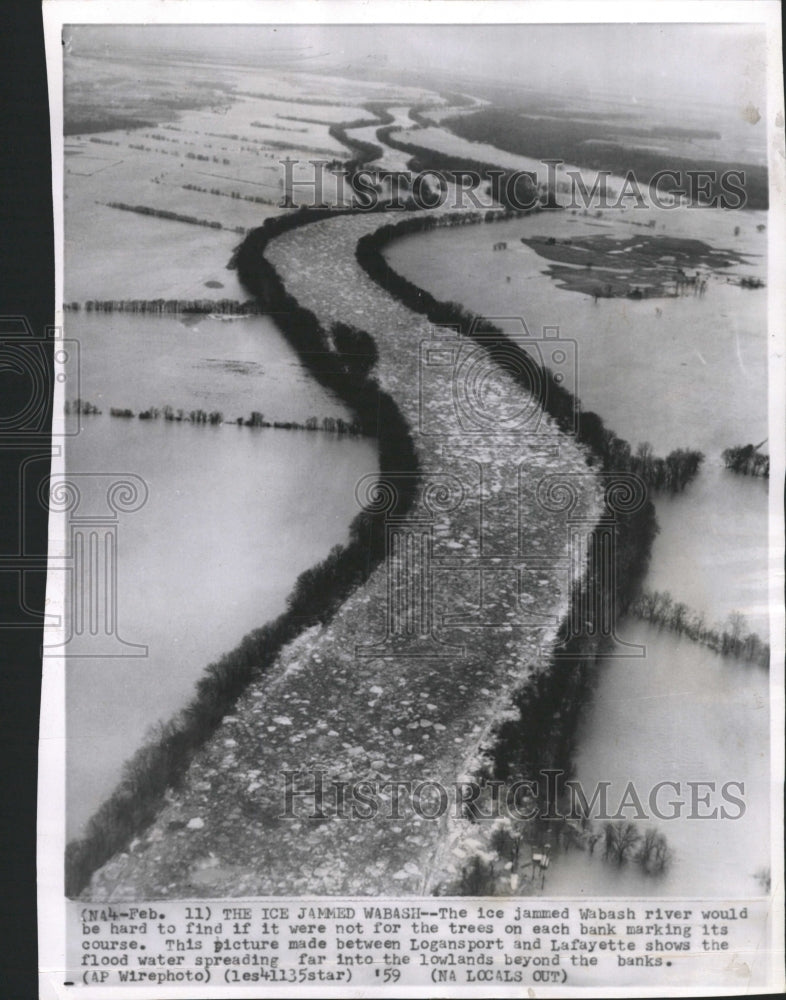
218 163
683 714
683 371
227 526
679 372
234 365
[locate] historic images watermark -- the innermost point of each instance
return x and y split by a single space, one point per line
93 503
313 795
36 363
315 183
32 365
499 379
87 550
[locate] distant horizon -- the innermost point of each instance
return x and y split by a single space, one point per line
632 63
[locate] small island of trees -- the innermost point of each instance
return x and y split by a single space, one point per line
732 638
83 406
161 213
215 418
747 460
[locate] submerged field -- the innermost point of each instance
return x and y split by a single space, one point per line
674 370
226 530
215 159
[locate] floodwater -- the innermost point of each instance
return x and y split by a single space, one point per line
682 714
686 372
683 372
234 365
227 526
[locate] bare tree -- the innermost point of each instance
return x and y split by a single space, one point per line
620 841
654 854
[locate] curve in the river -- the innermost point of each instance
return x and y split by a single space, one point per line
387 690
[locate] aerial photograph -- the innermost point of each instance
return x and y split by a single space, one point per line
421 445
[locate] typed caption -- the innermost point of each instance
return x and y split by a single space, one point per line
456 943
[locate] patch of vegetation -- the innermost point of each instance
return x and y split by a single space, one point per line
596 146
82 406
747 460
236 195
732 638
228 307
637 267
83 122
162 213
